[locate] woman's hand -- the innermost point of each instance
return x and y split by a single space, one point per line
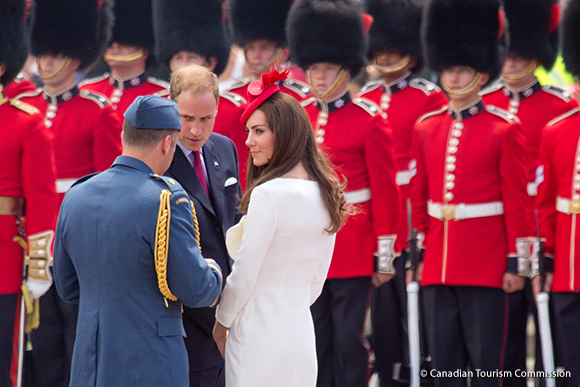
220 335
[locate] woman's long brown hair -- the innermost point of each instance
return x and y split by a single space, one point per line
294 143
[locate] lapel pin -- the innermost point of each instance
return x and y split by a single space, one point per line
216 164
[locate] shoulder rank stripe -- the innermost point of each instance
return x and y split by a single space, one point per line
95 97
95 79
158 82
433 113
234 98
491 89
368 106
424 85
565 115
241 82
24 106
298 87
501 113
562 94
308 101
370 86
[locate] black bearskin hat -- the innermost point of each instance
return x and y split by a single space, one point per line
571 37
134 26
327 31
533 29
13 39
396 25
190 25
465 33
73 28
258 19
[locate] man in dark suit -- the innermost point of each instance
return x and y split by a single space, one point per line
206 165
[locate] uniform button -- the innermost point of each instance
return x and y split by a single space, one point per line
385 98
52 108
454 142
322 121
384 106
115 99
452 149
456 133
576 197
320 132
514 103
450 177
450 167
513 110
451 159
458 125
577 178
319 140
50 114
449 196
450 185
48 123
117 93
323 115
41 272
577 186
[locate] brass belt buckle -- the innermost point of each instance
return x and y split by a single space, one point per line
574 207
448 213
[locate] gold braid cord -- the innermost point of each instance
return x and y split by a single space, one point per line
162 242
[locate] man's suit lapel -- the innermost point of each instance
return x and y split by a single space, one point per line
185 175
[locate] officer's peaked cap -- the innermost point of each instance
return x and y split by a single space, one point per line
153 112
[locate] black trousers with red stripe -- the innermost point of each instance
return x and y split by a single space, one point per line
567 316
8 307
465 329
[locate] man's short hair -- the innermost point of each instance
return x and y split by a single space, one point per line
195 79
145 139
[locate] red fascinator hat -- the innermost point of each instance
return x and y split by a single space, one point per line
261 90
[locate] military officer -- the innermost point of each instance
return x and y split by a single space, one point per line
558 207
27 179
395 52
327 40
469 194
87 139
129 55
533 30
131 281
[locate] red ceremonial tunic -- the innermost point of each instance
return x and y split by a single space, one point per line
404 101
359 143
535 106
473 156
28 171
19 86
86 130
559 181
121 93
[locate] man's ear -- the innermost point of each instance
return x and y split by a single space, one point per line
285 54
484 79
212 63
3 68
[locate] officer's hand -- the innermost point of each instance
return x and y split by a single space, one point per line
220 335
379 278
512 282
410 274
547 284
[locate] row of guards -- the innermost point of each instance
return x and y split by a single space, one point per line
472 193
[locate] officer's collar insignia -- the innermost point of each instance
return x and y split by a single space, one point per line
466 112
398 85
56 99
123 84
526 92
338 103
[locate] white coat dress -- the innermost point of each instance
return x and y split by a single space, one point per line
282 254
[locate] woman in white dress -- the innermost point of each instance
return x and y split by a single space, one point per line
282 247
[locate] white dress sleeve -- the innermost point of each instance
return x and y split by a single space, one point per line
258 232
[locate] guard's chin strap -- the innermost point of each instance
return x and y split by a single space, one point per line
400 65
275 57
57 71
530 67
337 82
125 58
467 89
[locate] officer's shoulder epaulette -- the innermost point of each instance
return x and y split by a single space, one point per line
562 116
158 82
501 113
29 109
298 87
433 113
171 183
85 178
560 93
370 86
240 83
308 101
162 93
94 80
368 106
34 93
99 99
424 85
491 89
234 98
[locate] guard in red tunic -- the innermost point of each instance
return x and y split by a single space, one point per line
327 41
395 52
129 55
258 27
533 30
558 202
469 194
28 200
87 139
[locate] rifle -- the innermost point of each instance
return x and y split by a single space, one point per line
538 265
